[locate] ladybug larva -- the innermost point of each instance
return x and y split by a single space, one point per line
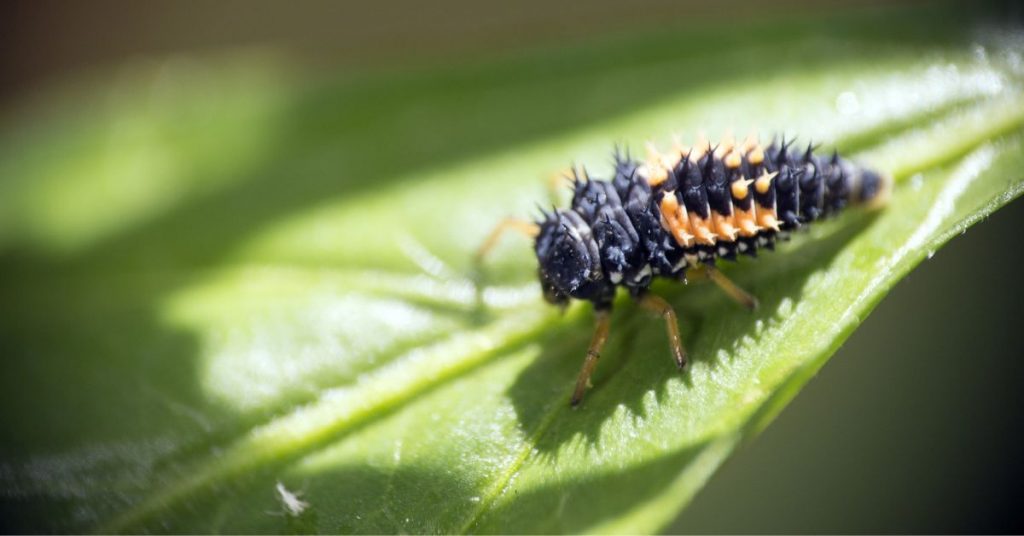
679 211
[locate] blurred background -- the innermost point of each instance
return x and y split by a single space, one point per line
47 42
925 438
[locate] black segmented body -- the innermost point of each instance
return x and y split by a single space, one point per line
650 221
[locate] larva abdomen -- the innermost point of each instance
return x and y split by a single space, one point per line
672 212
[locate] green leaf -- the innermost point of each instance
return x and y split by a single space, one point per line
216 298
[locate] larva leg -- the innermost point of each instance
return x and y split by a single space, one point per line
527 228
741 296
662 308
602 324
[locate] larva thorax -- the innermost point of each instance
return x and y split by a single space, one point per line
675 210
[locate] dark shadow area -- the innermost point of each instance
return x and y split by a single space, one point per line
81 436
430 500
327 35
583 503
98 419
380 500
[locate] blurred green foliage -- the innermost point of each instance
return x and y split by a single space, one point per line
220 275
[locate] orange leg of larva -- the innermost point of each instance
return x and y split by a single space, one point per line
514 224
741 296
662 308
603 323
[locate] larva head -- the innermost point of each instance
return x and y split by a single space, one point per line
567 256
551 292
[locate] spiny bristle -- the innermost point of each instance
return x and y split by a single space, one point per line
620 154
810 152
658 216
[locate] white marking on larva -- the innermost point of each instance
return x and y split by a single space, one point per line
574 232
742 246
680 265
691 258
293 506
646 271
762 240
723 251
616 277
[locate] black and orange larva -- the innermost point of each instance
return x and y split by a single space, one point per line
678 211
